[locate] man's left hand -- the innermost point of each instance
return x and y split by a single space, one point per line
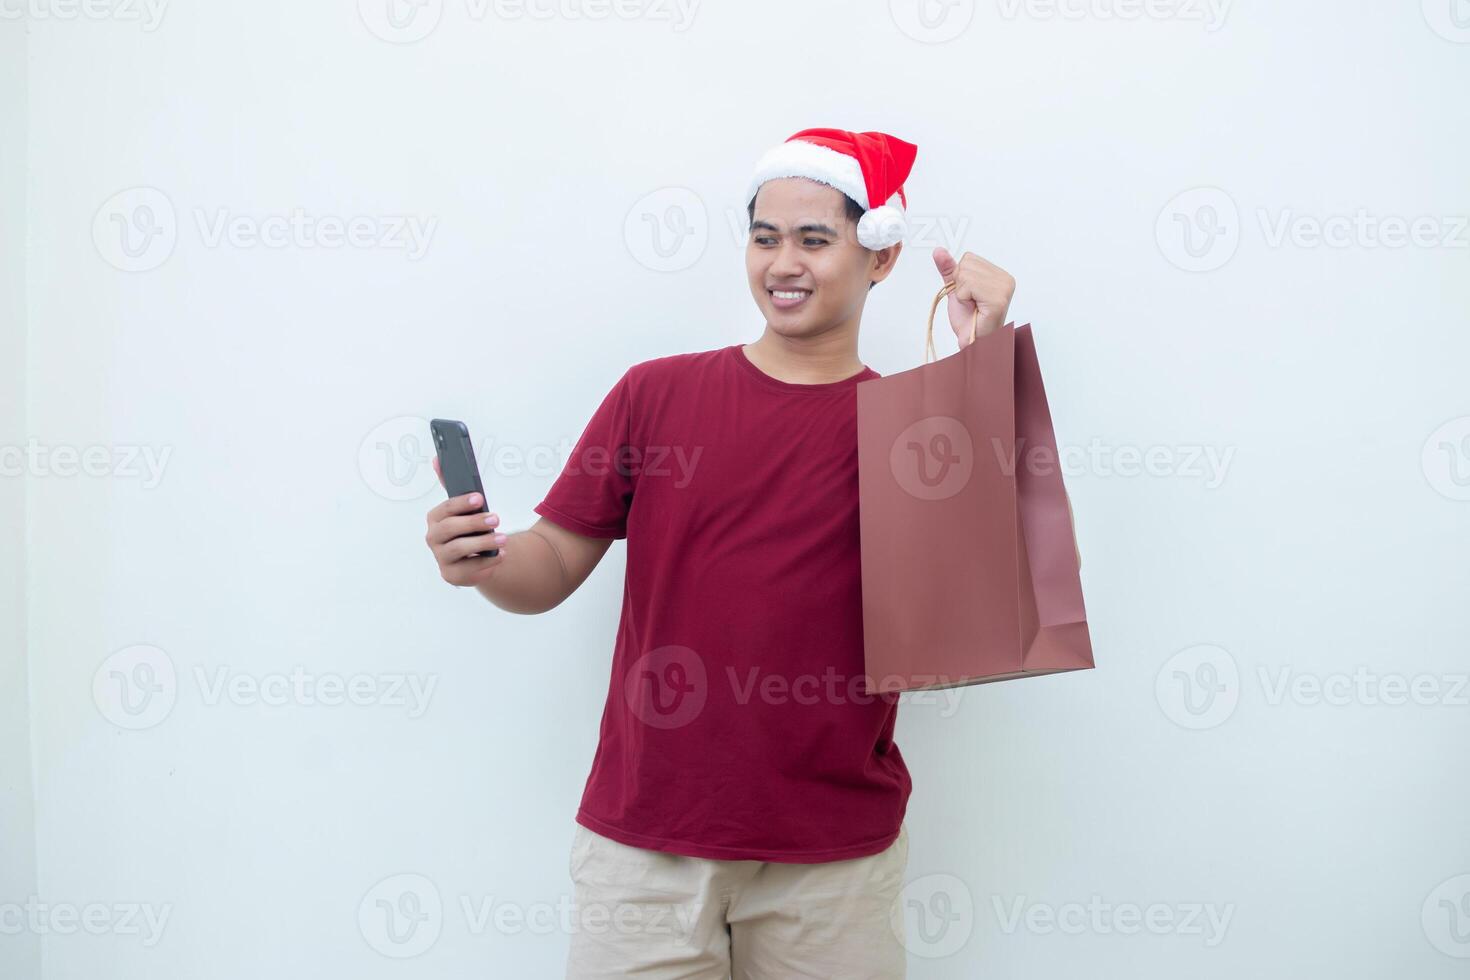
978 282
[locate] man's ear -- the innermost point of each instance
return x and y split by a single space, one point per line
884 260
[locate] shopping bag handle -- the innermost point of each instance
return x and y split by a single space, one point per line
929 354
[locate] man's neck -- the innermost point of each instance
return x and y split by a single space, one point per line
807 361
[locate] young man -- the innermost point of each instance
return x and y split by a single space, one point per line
744 813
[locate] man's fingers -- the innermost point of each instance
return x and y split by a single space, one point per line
470 544
463 504
453 527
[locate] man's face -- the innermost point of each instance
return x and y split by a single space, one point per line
802 241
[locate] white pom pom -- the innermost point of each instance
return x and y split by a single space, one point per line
881 227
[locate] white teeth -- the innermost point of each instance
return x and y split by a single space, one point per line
779 294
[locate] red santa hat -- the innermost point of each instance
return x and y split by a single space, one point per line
870 168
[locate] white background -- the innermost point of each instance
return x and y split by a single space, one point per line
1132 172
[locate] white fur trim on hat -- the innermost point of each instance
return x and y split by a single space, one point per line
798 158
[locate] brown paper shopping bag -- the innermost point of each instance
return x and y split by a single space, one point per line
969 569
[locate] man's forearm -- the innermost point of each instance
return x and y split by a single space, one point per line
531 578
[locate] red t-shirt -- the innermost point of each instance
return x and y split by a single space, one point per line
736 724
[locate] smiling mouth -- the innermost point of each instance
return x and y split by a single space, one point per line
785 299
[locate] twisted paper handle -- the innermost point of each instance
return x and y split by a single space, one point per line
929 353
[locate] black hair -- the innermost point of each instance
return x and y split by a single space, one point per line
854 214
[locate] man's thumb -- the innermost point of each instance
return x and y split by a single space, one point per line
944 262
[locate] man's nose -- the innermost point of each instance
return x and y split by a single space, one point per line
787 261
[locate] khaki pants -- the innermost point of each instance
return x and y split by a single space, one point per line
660 916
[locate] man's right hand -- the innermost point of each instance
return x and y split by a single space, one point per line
459 530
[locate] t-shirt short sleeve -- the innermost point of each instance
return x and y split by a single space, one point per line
594 492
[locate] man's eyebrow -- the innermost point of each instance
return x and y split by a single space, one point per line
818 228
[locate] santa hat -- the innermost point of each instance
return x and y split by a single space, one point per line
870 168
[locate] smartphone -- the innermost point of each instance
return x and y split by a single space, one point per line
457 465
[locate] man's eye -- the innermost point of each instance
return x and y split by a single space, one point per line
816 241
764 239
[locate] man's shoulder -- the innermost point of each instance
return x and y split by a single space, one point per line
671 367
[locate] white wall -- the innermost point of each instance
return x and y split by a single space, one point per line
261 384
20 951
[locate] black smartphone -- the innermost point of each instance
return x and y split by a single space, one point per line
457 465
